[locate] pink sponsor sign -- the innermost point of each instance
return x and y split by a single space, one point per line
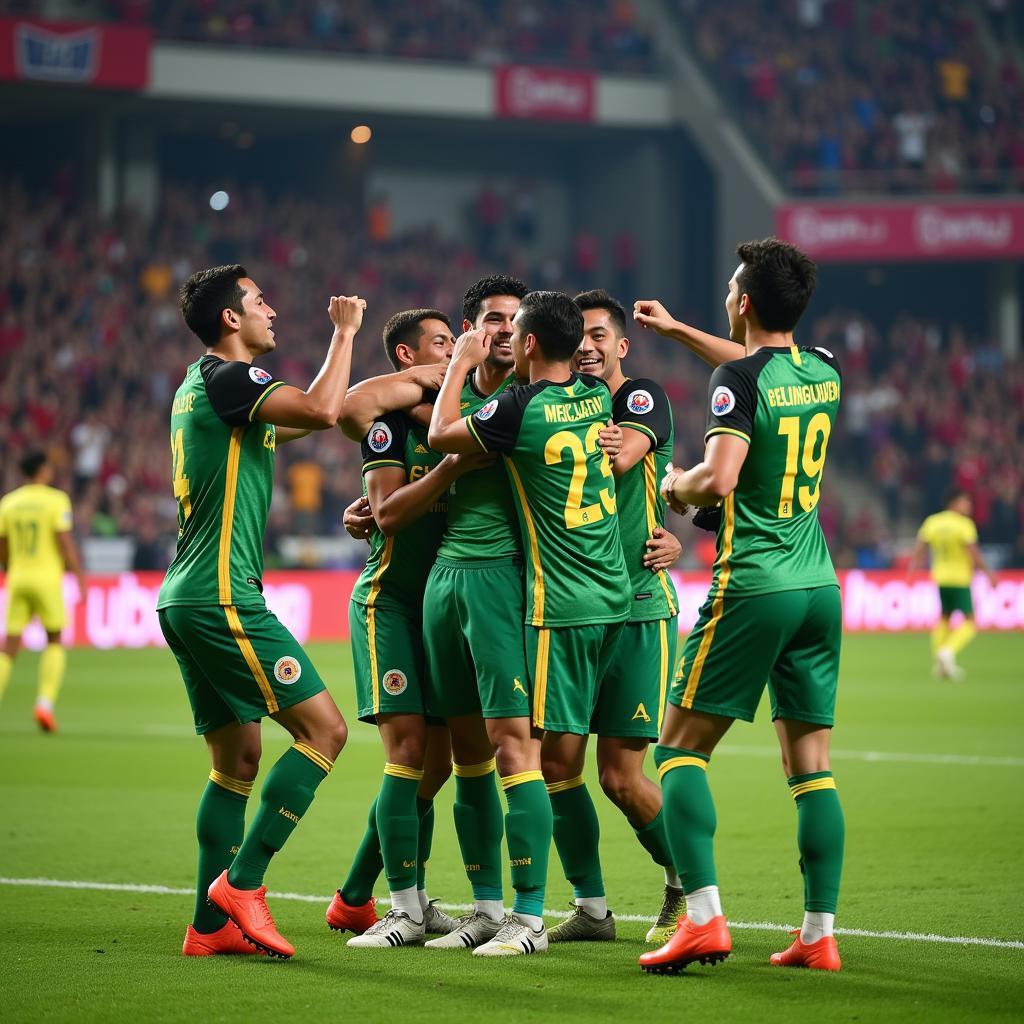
544 94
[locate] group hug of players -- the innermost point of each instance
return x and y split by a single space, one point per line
514 602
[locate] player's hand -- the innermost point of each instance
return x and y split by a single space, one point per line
610 440
466 463
663 550
358 519
668 483
472 347
429 377
652 314
347 312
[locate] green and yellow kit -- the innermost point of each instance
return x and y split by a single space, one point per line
577 587
238 661
386 611
773 613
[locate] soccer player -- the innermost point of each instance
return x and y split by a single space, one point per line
953 539
577 588
631 702
36 547
407 485
238 662
773 611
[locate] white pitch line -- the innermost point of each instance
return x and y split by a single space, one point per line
760 926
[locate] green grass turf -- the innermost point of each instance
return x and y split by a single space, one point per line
931 848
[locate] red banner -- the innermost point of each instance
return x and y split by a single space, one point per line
545 94
847 233
75 53
119 611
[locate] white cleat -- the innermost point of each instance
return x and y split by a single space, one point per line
390 932
515 938
436 921
470 931
946 661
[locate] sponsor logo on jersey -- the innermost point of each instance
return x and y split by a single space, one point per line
640 403
487 411
723 401
260 375
517 687
379 438
394 681
287 670
420 450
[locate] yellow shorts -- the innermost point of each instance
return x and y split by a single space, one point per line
26 600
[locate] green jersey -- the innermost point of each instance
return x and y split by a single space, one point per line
481 515
396 571
783 403
565 497
223 466
643 406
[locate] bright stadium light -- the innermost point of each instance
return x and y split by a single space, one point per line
360 134
219 201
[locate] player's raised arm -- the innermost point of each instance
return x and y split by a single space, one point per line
712 349
367 401
450 431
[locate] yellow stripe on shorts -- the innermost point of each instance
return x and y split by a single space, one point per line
251 659
540 676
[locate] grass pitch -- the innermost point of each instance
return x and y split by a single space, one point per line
932 780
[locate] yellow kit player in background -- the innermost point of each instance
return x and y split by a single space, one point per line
35 548
953 539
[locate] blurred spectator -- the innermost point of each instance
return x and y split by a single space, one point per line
306 481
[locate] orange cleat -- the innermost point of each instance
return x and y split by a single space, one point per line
822 955
707 944
248 909
225 941
343 918
44 716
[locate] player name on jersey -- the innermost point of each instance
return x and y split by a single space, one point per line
803 394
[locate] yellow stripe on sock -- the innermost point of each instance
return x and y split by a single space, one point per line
681 762
315 756
799 788
401 771
230 784
561 787
520 777
475 771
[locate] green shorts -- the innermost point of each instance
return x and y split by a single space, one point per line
631 701
567 666
956 599
789 640
473 638
238 664
387 653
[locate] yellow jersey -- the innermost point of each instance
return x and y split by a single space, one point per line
948 534
30 519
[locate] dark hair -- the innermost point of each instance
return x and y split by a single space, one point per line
598 298
779 278
953 493
404 329
556 322
495 284
31 463
206 294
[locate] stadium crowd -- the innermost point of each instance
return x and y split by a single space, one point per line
866 94
93 348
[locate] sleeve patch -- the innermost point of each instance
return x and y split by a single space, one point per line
640 402
379 438
485 412
259 375
723 401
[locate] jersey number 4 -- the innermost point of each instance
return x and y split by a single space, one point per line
180 480
812 463
576 513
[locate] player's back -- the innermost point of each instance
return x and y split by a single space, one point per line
949 534
31 516
783 402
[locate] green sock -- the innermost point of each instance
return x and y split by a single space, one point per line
689 814
220 824
820 837
577 836
425 814
287 793
654 839
479 827
528 833
366 866
399 825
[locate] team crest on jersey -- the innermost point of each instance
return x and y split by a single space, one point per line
379 438
723 401
287 670
487 411
394 681
640 403
260 375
